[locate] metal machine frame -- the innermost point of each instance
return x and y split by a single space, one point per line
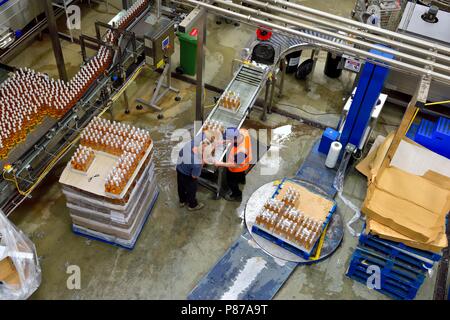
51 143
159 47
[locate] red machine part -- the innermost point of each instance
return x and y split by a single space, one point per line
263 33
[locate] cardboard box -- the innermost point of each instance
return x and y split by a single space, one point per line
8 272
411 205
410 157
409 200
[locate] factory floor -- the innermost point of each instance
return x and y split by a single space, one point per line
177 248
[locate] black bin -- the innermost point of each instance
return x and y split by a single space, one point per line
293 60
332 65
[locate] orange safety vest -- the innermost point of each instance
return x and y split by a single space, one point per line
246 148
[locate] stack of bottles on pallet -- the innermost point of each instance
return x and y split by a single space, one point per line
282 219
125 141
82 159
27 96
121 174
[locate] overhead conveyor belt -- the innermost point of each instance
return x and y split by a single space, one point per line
249 81
285 42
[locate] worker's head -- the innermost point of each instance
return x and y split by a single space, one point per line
238 138
235 136
205 149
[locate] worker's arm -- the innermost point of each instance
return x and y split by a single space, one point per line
224 164
196 171
221 142
239 159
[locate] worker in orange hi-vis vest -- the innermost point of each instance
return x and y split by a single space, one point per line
238 162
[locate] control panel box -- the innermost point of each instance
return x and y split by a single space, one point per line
159 41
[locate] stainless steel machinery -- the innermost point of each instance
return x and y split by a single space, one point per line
32 160
415 24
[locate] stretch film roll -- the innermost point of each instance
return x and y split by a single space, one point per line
333 154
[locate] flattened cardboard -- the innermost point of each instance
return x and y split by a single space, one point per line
382 151
387 233
364 165
401 215
418 190
410 157
412 197
438 179
310 203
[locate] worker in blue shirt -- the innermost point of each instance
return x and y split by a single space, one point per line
189 168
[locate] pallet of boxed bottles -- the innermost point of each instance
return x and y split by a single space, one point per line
295 218
110 182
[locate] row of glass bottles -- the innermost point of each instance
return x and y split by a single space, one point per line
127 142
103 142
267 219
20 107
82 159
274 205
119 176
135 10
289 223
27 96
213 125
291 196
121 130
115 138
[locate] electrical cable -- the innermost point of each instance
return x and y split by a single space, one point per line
309 112
436 103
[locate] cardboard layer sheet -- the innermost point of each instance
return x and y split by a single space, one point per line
310 203
93 181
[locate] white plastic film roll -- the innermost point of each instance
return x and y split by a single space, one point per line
333 155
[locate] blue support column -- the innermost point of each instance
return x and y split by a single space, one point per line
369 88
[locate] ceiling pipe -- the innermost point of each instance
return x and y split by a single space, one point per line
344 48
349 30
418 60
376 30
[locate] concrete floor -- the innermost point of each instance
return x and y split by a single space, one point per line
177 248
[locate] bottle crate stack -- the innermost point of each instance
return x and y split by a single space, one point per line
294 218
27 96
401 270
110 182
